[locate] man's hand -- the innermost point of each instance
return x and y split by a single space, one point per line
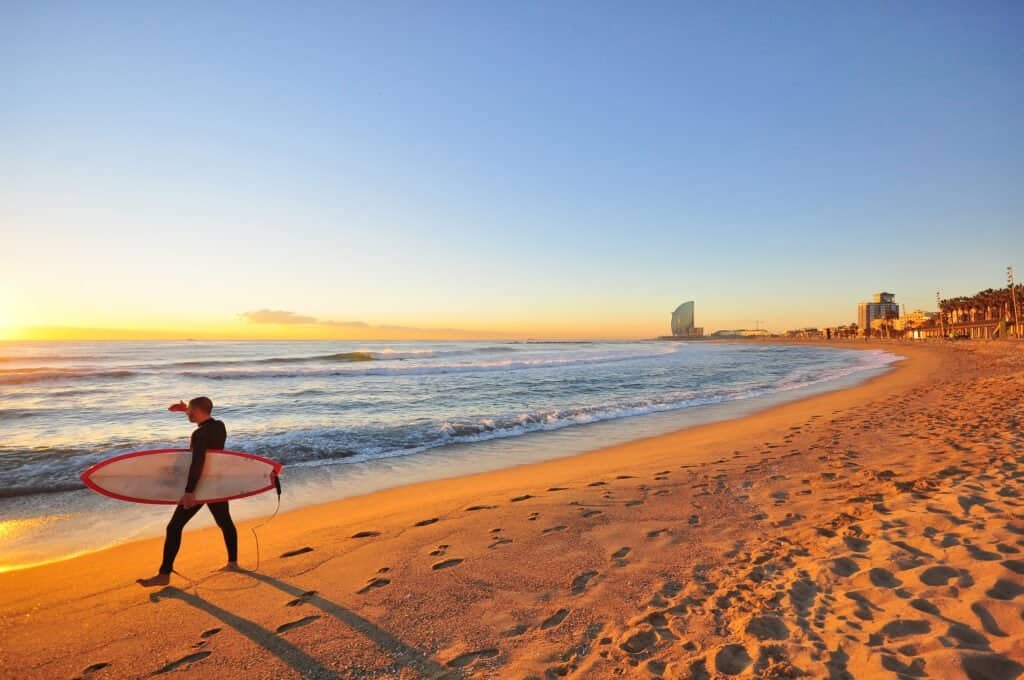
180 407
188 500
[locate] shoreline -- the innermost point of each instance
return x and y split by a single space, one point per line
454 460
437 576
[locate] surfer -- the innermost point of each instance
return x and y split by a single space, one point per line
209 434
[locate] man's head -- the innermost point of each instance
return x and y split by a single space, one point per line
199 409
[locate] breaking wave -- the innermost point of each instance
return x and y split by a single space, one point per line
34 375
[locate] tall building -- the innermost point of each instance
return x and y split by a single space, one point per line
882 306
682 322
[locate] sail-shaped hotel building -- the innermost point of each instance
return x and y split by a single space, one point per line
682 322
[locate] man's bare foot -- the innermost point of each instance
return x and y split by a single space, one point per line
232 566
153 581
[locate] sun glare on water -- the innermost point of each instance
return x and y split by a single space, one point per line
14 528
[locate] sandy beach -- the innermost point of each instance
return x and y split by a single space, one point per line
871 532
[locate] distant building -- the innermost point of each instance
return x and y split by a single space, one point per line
914 319
742 333
882 307
804 333
682 322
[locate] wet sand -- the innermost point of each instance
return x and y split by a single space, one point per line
872 532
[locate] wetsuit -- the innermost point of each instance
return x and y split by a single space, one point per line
210 434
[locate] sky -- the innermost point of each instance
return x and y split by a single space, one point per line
449 169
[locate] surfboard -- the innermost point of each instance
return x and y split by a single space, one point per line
159 476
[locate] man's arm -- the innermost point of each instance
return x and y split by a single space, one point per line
198 460
195 469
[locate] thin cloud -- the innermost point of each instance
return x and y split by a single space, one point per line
286 318
276 316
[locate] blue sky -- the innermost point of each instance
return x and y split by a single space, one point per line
555 168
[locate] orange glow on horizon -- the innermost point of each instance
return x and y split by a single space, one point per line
320 332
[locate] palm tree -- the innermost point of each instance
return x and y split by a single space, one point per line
989 305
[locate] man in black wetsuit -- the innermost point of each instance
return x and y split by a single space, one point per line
209 434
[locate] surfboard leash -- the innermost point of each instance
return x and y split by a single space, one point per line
277 487
195 584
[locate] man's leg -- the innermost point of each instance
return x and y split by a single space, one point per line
172 541
221 513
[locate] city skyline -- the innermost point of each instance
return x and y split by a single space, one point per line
482 172
284 325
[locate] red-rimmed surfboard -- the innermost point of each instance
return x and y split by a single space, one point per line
159 476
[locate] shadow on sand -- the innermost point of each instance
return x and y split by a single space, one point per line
404 655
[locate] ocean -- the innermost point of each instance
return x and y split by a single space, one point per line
350 417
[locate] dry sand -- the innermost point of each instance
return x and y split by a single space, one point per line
870 533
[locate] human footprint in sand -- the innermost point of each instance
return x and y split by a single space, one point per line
209 434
